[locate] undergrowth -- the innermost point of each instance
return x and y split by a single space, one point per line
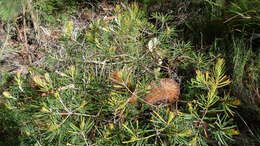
69 98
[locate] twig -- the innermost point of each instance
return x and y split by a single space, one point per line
64 106
84 137
245 123
229 19
25 36
35 25
78 114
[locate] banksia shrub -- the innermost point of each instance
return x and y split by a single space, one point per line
93 102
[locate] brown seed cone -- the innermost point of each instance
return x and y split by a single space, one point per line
168 91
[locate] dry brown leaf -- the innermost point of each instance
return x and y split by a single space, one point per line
109 18
115 77
118 82
133 99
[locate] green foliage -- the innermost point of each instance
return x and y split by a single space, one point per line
52 10
244 14
56 108
72 99
10 9
205 116
241 56
238 14
246 73
64 108
10 133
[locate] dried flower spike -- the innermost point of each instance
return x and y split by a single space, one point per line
167 91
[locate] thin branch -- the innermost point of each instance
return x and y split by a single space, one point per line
64 106
84 137
35 25
25 35
78 114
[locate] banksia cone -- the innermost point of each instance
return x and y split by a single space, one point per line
167 90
